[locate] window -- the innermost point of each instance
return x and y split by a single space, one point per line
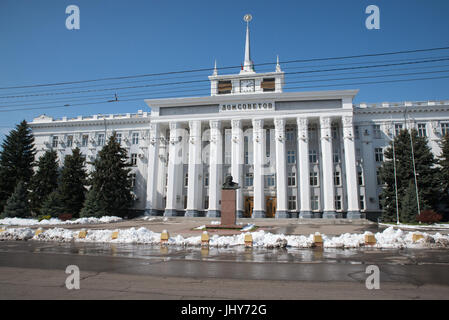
444 129
337 201
246 158
290 135
360 177
227 157
249 180
100 139
133 159
376 131
206 202
206 180
379 180
54 143
291 157
313 156
334 131
133 180
224 87
268 85
292 203
312 132
337 179
356 132
313 178
379 155
85 140
362 202
69 141
270 180
186 179
135 138
119 138
422 130
291 179
314 202
397 128
336 157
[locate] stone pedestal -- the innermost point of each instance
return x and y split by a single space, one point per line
228 203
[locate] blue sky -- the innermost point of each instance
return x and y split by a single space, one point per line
119 38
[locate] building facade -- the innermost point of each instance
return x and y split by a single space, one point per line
294 154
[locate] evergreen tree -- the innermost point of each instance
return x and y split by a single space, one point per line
72 181
110 180
91 206
16 160
427 173
17 204
53 205
409 206
44 181
444 171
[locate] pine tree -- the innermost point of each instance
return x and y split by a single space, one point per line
110 180
427 173
44 181
53 205
409 206
16 160
73 178
444 171
17 204
91 206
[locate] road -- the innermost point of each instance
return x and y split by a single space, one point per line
36 270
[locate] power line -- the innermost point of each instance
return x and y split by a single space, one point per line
223 68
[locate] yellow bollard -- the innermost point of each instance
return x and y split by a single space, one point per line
114 235
38 232
248 240
317 240
416 237
164 237
205 239
2 229
370 239
82 234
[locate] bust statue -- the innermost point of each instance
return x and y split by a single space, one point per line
229 184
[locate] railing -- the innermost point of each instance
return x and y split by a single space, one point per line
402 104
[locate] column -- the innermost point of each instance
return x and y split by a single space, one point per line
327 184
304 168
215 169
151 206
195 169
258 161
162 170
174 170
351 169
237 163
281 170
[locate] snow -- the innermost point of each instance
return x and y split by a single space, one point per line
55 221
248 227
203 227
439 226
389 238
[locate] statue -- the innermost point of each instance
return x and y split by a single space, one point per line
229 184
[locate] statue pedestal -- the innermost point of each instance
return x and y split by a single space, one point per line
228 214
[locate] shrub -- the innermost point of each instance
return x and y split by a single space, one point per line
42 217
429 216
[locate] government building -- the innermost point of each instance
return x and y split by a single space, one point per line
294 154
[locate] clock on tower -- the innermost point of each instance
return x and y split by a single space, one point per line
247 85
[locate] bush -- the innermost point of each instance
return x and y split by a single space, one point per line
42 217
429 216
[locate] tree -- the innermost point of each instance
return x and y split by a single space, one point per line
443 161
53 205
426 171
92 207
409 206
17 204
110 180
44 181
72 182
16 160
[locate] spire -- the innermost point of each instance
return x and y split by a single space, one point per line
278 66
248 64
215 69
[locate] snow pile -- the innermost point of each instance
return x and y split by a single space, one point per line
389 238
248 227
55 221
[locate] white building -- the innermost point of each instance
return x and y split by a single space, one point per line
294 154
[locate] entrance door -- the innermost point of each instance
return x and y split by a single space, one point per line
249 204
270 207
